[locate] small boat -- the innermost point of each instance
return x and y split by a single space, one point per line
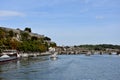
54 56
53 52
8 55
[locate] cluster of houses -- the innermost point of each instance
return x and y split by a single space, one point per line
80 50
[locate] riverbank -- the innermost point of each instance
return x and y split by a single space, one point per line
34 54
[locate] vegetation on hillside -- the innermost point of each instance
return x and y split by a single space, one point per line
25 42
100 46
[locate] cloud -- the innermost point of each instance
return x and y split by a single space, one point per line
5 13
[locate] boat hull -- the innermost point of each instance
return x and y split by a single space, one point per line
7 59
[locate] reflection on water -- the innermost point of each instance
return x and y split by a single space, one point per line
54 58
66 67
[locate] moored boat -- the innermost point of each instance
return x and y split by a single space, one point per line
54 56
8 55
53 53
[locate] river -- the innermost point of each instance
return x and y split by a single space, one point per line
66 67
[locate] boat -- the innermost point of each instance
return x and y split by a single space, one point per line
8 55
53 53
54 56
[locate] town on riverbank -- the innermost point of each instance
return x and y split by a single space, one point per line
89 49
33 44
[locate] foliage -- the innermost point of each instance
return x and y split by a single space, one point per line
32 46
27 29
2 34
24 35
53 44
26 43
34 38
11 33
47 38
100 46
14 44
43 48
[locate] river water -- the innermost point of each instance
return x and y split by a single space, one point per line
66 67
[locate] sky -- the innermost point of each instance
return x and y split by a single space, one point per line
66 22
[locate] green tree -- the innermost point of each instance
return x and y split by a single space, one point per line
34 38
47 38
2 34
27 29
11 33
53 44
25 35
14 44
42 48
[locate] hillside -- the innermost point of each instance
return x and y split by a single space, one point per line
24 40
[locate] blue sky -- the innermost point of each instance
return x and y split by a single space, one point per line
67 22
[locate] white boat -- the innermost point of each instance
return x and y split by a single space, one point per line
8 55
54 56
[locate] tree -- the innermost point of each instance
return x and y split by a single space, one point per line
34 38
11 33
42 48
47 38
27 29
14 44
53 45
24 35
28 42
2 34
1 42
